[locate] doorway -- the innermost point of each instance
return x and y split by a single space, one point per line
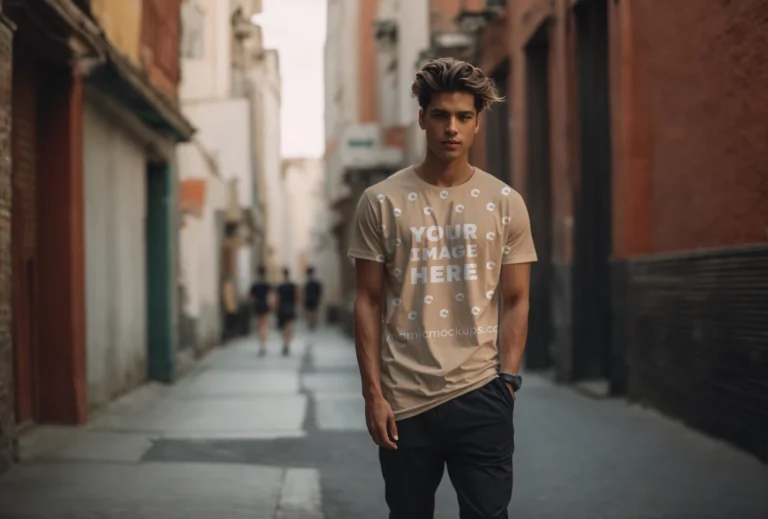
24 222
498 135
592 204
161 286
539 195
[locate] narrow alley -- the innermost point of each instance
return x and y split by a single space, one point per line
274 437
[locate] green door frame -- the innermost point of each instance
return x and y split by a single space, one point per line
160 279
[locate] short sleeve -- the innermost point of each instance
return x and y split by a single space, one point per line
366 242
519 247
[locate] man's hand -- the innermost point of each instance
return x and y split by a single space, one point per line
511 390
381 422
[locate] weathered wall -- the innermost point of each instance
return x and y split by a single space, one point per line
25 148
159 51
690 155
224 130
528 17
200 272
6 347
707 120
115 173
206 74
121 22
366 55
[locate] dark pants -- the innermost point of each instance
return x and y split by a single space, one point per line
285 315
473 436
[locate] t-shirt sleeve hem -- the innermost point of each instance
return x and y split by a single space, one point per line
358 254
520 258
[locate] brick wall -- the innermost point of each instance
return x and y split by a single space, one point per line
366 55
159 44
545 163
704 82
689 176
527 18
441 13
24 179
6 356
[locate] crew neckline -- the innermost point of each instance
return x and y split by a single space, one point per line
469 183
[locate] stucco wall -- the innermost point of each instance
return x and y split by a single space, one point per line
199 241
303 187
7 398
267 81
121 21
413 38
224 131
209 76
115 258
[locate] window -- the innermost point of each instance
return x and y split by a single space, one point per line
192 30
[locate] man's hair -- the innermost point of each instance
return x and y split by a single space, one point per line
310 271
286 272
451 75
261 271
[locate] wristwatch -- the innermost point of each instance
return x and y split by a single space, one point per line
515 380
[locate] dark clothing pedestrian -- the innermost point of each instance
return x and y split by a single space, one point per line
473 435
259 292
313 291
286 306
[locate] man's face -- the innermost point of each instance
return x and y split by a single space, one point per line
450 122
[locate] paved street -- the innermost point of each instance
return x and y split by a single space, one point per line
274 437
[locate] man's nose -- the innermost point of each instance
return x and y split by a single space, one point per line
451 128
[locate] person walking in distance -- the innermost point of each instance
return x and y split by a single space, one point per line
286 309
313 291
441 248
260 292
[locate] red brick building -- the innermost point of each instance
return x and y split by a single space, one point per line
636 133
42 257
6 345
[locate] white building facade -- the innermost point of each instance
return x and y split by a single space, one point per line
372 52
264 90
222 228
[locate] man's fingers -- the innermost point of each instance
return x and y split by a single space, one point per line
373 430
392 426
384 437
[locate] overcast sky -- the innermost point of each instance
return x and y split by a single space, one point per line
296 28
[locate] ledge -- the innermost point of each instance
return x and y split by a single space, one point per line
121 79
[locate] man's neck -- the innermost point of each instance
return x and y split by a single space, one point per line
444 174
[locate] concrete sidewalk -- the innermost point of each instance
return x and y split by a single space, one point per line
98 470
273 437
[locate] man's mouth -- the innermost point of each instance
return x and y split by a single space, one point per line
451 143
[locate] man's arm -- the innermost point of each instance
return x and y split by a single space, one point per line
515 290
368 296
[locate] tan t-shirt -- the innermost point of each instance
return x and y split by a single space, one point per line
443 249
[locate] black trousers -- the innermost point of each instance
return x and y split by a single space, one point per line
473 435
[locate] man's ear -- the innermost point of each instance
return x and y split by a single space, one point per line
477 123
422 119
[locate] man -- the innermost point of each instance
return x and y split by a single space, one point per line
435 245
313 291
286 309
260 292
